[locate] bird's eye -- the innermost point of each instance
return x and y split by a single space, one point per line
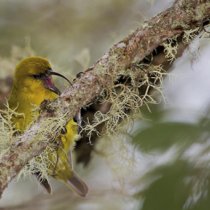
38 76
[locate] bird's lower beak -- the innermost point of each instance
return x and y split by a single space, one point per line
50 85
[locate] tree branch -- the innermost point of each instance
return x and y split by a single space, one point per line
183 15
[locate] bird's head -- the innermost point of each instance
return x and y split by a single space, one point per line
36 71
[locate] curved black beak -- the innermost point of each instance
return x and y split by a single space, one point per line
59 75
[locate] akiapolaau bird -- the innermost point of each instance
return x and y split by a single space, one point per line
32 85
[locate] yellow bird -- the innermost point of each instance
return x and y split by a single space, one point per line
32 85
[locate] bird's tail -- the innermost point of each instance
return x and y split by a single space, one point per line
77 184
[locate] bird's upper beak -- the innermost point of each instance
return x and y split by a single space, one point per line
49 83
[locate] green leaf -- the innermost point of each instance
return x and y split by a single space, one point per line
170 191
165 134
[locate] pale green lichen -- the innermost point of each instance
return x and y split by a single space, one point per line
43 163
7 130
46 161
128 99
170 49
190 34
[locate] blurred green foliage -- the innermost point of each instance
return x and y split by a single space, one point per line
60 29
163 135
170 191
183 181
